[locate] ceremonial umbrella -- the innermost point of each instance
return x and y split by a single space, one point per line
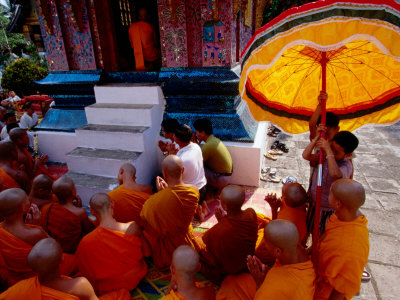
350 49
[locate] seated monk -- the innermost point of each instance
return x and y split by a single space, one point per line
184 267
33 166
292 277
231 240
66 221
45 258
144 43
167 215
111 256
129 197
343 250
18 238
11 175
41 191
291 207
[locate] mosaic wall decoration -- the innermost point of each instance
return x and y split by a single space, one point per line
172 20
248 15
194 25
95 34
52 36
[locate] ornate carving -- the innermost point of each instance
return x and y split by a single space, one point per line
46 8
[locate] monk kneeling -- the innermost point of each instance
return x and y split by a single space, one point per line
184 267
111 256
292 277
232 239
41 192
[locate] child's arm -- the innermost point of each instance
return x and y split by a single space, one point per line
334 170
312 124
336 295
308 155
274 203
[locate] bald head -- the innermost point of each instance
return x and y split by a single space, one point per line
172 166
282 234
233 197
42 181
349 192
45 256
8 151
17 134
64 188
129 169
294 194
11 201
100 203
186 261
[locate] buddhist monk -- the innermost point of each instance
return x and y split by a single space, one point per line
292 277
33 166
184 267
343 251
45 258
144 43
167 215
41 191
111 256
11 174
232 239
66 221
18 238
130 196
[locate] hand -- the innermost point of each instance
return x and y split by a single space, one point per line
161 183
162 145
322 96
171 148
77 201
324 144
257 269
321 128
42 159
273 201
220 213
33 215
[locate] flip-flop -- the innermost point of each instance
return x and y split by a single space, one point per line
275 152
269 156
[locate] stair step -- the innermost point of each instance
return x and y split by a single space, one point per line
100 162
202 102
128 93
129 138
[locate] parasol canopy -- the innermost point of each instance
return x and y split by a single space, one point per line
281 65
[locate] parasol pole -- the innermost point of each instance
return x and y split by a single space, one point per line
317 215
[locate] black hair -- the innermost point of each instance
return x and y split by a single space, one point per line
203 125
169 125
346 140
8 115
332 119
11 126
27 105
184 133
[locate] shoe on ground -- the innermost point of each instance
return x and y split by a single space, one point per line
275 152
289 179
269 156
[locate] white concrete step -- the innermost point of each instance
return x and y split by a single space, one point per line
112 137
100 162
119 114
128 93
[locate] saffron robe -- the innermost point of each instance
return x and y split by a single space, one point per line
297 215
41 169
291 282
32 289
111 260
228 243
127 203
14 258
62 225
343 254
173 295
166 218
7 182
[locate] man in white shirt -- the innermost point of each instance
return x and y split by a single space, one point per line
193 168
10 101
8 119
29 119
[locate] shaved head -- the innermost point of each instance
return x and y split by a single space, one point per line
100 203
8 150
294 193
42 181
45 256
11 201
172 166
64 188
186 261
17 133
282 234
233 197
129 169
349 192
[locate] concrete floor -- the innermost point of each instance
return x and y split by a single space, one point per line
377 168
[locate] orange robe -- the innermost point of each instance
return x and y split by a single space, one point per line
14 258
111 260
343 254
32 289
7 182
127 203
228 243
297 215
173 295
62 225
41 169
143 41
291 282
167 217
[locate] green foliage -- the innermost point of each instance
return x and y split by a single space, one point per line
10 42
20 75
275 7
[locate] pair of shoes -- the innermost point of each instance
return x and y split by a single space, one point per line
270 156
275 152
280 146
265 170
273 131
289 179
270 178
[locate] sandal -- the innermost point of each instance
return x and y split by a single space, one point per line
289 179
267 155
274 178
275 152
283 147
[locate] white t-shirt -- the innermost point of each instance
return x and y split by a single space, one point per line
27 121
12 99
4 134
192 158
